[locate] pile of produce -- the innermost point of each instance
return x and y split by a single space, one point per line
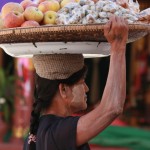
87 12
57 12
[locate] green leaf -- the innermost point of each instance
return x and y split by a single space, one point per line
2 77
2 81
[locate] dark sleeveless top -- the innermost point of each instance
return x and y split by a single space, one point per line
57 133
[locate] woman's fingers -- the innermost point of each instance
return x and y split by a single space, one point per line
118 23
107 27
116 29
114 20
126 22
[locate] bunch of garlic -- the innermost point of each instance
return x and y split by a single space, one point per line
144 15
88 12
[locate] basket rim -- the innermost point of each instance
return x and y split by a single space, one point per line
66 33
67 28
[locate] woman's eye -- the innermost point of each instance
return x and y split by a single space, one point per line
82 81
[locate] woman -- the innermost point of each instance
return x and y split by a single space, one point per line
61 91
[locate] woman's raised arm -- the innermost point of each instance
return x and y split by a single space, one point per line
89 125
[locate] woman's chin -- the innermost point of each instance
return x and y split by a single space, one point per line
80 108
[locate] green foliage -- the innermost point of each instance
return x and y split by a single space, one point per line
7 92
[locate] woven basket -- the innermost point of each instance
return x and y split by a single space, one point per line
69 33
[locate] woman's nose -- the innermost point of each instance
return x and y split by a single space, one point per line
86 87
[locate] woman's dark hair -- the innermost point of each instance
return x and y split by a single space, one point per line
44 92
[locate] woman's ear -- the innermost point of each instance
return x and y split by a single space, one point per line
63 90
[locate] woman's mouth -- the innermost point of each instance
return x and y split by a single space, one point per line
86 98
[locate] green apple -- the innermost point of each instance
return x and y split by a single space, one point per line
65 2
33 13
50 17
49 5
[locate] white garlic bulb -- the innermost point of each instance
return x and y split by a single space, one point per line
110 8
88 12
103 15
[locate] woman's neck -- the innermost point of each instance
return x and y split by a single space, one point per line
58 108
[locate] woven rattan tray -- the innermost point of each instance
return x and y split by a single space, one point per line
69 33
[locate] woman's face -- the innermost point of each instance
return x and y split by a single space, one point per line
78 97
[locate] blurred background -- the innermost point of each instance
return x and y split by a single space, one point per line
130 131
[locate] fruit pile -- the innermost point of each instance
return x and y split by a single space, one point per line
30 13
49 12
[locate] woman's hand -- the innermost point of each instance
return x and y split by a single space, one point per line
116 31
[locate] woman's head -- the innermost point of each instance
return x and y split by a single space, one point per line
53 74
46 90
56 71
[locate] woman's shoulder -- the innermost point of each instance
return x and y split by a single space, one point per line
57 118
55 122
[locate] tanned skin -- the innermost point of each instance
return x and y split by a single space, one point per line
112 102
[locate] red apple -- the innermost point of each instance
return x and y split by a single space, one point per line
13 19
33 4
11 6
40 1
26 3
2 23
33 13
30 23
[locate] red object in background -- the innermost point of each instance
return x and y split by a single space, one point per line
141 70
118 122
23 98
